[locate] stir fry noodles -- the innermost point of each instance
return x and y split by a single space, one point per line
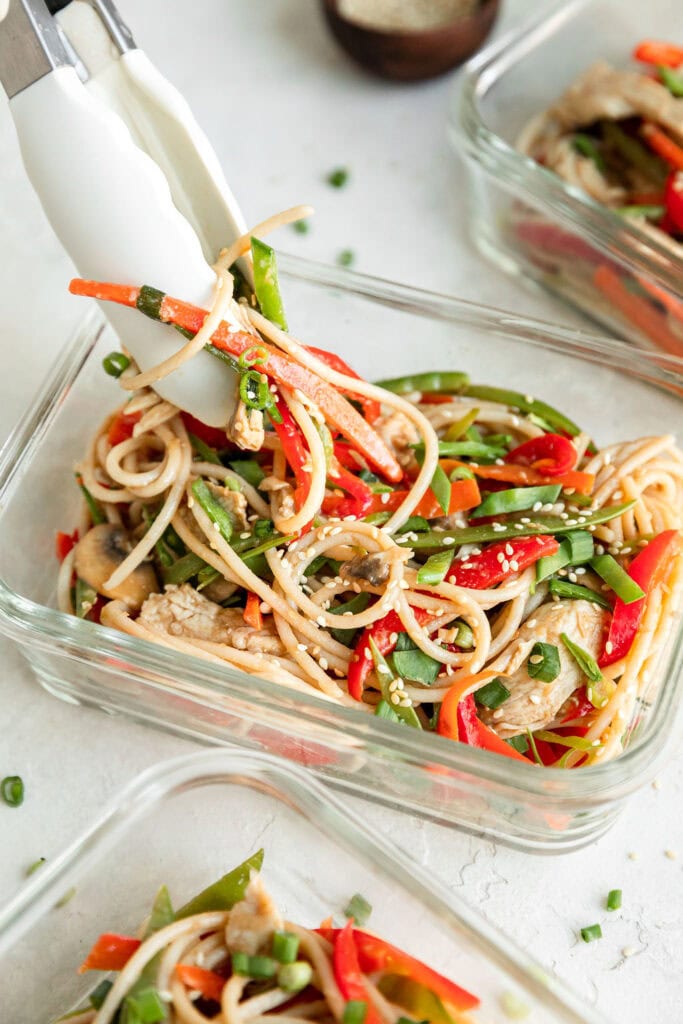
227 956
449 556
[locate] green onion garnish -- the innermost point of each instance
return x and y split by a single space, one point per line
285 947
626 589
338 177
578 593
302 227
586 146
517 499
614 899
115 363
346 257
35 866
544 662
294 977
254 390
435 569
261 968
550 564
66 898
100 993
96 514
12 789
359 909
492 695
673 80
355 1012
583 659
591 933
580 545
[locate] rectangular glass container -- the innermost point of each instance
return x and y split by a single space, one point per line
188 821
381 328
528 220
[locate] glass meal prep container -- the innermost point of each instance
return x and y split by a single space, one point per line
188 821
381 328
527 219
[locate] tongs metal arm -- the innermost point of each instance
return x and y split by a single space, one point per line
30 45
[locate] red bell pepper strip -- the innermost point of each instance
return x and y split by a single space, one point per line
662 145
110 953
276 365
377 956
213 436
479 572
347 972
198 979
371 408
465 494
360 500
578 707
295 451
252 614
652 52
64 543
550 454
527 475
458 720
121 427
673 198
647 569
384 633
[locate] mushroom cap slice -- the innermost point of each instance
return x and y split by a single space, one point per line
100 552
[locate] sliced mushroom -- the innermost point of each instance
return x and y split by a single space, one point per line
373 568
100 552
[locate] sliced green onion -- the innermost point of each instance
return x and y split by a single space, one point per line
294 977
512 528
599 691
346 257
261 968
149 301
254 390
646 210
100 993
585 145
460 427
338 177
96 514
213 508
66 898
253 356
434 381
218 353
302 227
84 598
464 637
626 589
275 541
544 662
492 695
115 363
355 1012
614 899
202 449
516 499
37 864
519 743
435 569
411 663
285 947
184 569
583 659
359 909
591 933
673 80
12 789
147 1005
385 677
266 283
384 710
578 593
533 747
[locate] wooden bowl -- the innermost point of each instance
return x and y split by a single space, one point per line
410 56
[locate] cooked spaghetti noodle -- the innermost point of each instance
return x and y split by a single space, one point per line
452 557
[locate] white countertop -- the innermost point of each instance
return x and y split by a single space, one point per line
283 106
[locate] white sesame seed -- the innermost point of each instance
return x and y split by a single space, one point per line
609 647
514 565
320 620
534 698
671 854
324 664
395 699
384 670
656 784
302 647
537 506
406 702
633 855
448 540
536 659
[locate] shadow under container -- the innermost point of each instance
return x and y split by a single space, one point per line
186 822
528 220
383 329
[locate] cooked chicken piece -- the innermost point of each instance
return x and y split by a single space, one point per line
562 157
234 503
373 568
246 428
252 921
183 611
398 433
533 704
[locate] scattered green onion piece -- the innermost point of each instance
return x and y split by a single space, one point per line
266 283
12 789
385 677
32 868
544 662
202 448
224 357
435 569
551 417
591 933
253 356
626 589
539 524
519 743
673 80
586 146
96 514
648 211
224 893
355 1012
184 569
439 382
66 898
261 968
411 663
285 947
578 593
149 301
599 691
583 659
115 363
374 482
100 993
460 427
273 542
84 598
302 227
614 899
346 257
338 177
516 499
254 390
295 977
213 508
464 637
147 1006
384 710
359 909
492 695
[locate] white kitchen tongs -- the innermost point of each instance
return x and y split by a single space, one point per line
126 177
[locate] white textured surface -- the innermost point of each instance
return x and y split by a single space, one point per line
283 107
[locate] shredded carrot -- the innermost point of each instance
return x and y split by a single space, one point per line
662 145
636 309
527 476
652 52
253 615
